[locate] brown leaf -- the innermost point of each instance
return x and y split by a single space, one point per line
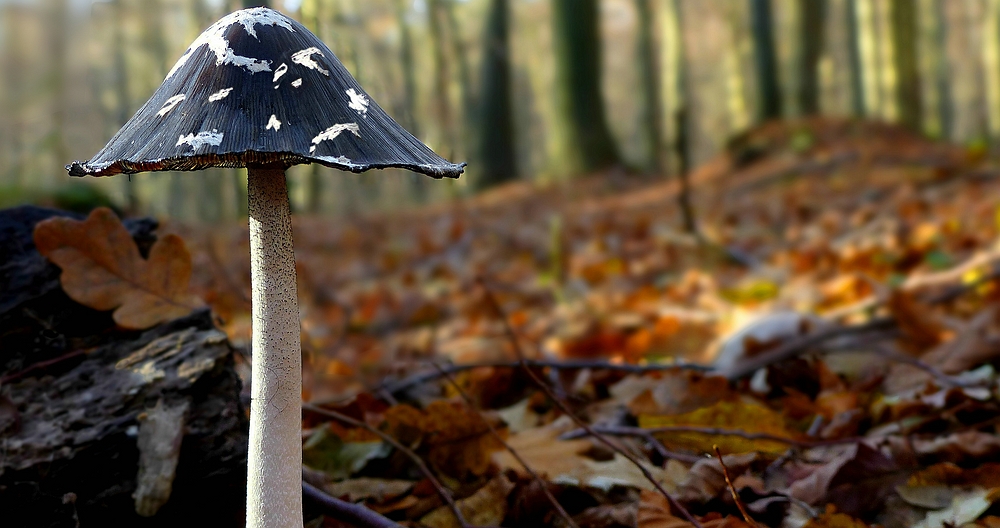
564 462
654 512
922 329
486 507
831 519
456 438
102 269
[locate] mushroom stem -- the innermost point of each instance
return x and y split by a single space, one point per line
274 491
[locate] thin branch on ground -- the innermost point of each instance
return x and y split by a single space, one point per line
515 343
713 431
944 379
657 446
420 378
732 491
534 475
341 510
806 343
953 276
421 465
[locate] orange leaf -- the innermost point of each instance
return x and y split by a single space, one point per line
102 269
831 519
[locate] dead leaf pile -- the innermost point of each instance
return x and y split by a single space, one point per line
835 331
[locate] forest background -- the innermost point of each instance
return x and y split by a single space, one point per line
530 89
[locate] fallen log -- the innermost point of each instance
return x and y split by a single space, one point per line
114 428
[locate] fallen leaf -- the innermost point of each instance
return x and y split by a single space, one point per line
966 506
563 462
378 491
338 458
102 268
654 512
706 479
486 507
831 519
456 438
744 417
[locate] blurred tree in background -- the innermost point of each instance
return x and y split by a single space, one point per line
522 89
585 140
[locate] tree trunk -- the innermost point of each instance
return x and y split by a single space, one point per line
442 79
458 49
123 107
58 21
682 124
497 159
766 60
309 12
904 46
854 59
587 140
812 15
408 116
937 90
649 61
991 65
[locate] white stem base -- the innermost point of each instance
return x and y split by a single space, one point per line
274 475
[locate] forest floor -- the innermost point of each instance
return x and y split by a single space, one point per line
834 335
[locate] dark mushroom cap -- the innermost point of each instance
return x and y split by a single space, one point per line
258 88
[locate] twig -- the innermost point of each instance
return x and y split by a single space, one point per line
803 344
954 274
441 490
545 489
713 431
944 379
342 510
424 377
657 446
732 491
509 330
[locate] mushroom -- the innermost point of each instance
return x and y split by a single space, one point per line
258 90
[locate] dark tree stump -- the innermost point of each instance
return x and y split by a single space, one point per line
69 426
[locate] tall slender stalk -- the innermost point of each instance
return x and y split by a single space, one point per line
274 495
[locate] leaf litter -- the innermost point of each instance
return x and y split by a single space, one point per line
833 331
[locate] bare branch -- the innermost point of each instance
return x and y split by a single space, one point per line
713 431
732 490
423 377
441 490
509 330
342 510
545 489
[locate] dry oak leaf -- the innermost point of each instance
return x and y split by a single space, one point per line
755 424
102 269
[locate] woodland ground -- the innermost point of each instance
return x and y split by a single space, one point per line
854 261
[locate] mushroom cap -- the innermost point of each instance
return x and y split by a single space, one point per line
258 88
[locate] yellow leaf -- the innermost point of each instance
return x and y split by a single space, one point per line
831 519
747 418
102 269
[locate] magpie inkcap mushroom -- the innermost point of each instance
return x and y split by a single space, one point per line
258 90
